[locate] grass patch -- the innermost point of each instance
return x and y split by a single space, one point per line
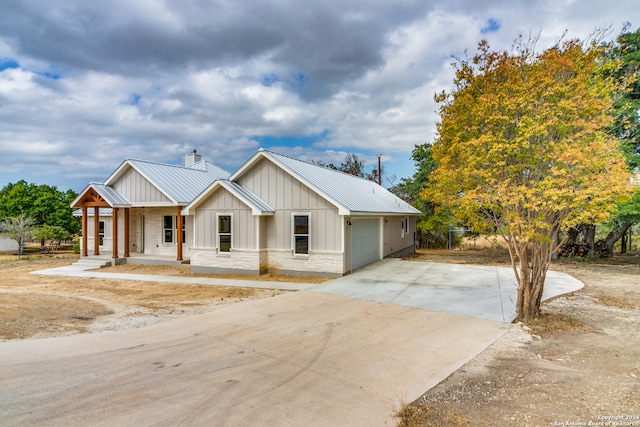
611 301
428 416
547 324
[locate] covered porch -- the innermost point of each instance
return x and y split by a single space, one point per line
101 205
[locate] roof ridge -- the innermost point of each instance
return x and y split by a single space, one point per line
157 163
321 167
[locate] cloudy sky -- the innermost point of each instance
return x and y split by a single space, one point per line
87 84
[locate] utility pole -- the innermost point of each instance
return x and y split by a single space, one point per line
379 171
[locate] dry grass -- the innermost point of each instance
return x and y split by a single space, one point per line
428 416
548 324
613 301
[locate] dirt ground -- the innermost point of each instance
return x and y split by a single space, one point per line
35 306
579 365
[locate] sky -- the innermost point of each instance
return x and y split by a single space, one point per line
85 85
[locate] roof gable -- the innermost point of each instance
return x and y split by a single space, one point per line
349 193
257 206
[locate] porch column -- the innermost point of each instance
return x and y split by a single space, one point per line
85 230
96 231
179 231
126 232
114 246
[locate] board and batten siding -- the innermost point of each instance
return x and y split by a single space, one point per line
137 189
243 223
287 195
395 241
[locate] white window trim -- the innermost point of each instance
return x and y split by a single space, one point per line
183 231
218 215
404 224
173 230
102 225
293 234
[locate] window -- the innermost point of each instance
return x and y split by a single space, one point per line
167 228
184 229
301 234
101 233
224 233
405 226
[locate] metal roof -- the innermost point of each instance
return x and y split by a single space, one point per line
351 194
111 196
114 198
101 212
253 201
179 183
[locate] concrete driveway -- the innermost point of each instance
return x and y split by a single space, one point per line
485 292
305 358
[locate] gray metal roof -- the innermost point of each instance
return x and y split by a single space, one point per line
253 201
110 195
114 198
179 183
351 194
101 212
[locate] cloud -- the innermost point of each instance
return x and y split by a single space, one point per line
84 85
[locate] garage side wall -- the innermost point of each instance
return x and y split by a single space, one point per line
399 240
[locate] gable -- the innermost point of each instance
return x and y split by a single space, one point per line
138 190
280 189
351 195
222 200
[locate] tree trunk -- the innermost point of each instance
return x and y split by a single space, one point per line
615 235
590 238
530 268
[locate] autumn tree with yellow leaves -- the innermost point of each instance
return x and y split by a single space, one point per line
522 148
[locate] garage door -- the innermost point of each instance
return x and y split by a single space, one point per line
365 241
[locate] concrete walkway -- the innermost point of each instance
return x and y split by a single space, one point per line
302 358
80 271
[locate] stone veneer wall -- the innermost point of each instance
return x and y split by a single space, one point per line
317 263
240 261
208 260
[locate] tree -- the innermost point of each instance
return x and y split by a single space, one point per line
626 125
352 165
51 233
19 228
46 205
522 147
432 225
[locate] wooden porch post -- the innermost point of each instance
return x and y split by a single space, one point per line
179 231
114 241
96 231
85 230
126 232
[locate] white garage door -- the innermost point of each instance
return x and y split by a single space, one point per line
365 241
